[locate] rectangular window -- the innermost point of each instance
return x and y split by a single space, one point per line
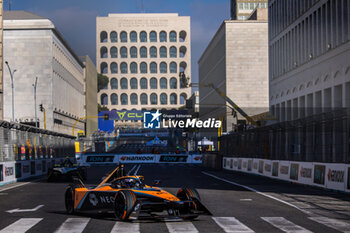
334 23
328 24
319 33
340 22
345 20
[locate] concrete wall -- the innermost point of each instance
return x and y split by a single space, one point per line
90 96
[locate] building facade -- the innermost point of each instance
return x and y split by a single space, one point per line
142 55
34 48
1 62
90 74
242 9
310 75
236 62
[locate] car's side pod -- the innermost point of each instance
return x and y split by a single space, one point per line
78 182
200 207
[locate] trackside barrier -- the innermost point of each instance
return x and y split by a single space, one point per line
87 159
326 175
13 171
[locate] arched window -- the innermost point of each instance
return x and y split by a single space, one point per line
114 52
143 99
183 50
143 68
104 99
173 51
163 99
173 83
183 66
123 52
114 68
153 52
173 67
133 68
162 52
163 68
103 37
154 99
143 52
123 37
133 36
153 36
114 36
183 98
103 52
124 99
172 36
163 83
114 99
114 84
124 83
153 68
104 68
182 36
173 98
143 83
133 99
143 36
162 36
133 52
133 83
123 68
153 83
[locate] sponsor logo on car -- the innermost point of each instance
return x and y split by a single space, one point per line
93 199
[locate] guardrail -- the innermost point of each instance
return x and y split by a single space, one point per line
334 176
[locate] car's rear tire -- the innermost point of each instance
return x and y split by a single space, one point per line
124 203
69 199
188 194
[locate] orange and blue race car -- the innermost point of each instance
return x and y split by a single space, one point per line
129 198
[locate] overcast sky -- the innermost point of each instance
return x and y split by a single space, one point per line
76 19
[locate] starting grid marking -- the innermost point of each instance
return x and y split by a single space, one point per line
226 224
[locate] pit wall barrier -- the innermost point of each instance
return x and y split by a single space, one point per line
331 176
14 171
88 159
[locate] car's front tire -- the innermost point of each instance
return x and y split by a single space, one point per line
124 203
188 194
69 199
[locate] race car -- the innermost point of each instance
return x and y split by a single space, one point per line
66 171
130 199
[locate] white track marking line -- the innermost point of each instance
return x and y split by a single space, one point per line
258 192
181 227
333 223
19 185
24 210
22 225
131 169
137 170
126 227
73 225
285 225
232 225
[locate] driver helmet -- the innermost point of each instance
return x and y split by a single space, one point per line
128 183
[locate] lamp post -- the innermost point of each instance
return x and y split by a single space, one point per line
34 86
12 86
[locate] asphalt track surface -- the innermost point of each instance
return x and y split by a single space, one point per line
269 206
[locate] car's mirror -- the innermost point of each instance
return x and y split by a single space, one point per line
156 182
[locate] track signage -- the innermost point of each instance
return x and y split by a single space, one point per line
173 158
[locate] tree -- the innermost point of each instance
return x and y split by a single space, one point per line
102 82
101 108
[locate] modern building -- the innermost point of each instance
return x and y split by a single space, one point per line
310 74
142 55
90 74
1 83
242 9
236 62
35 48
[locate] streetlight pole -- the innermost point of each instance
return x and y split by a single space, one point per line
36 118
12 86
